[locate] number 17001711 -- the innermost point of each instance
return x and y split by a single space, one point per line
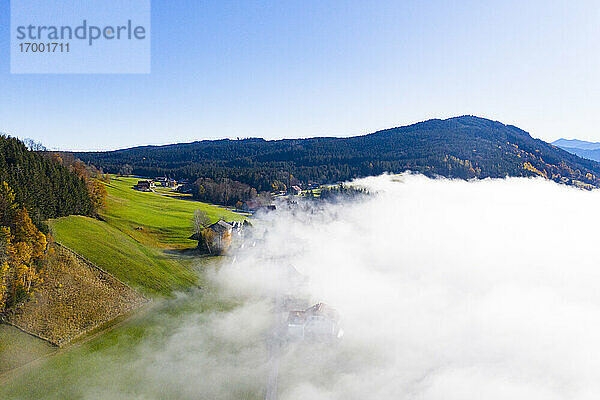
44 47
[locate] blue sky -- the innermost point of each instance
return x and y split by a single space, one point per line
277 69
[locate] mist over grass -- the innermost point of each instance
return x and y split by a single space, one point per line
446 289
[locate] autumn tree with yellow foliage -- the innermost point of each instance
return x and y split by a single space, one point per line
23 250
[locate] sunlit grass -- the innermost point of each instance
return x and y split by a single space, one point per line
145 268
154 219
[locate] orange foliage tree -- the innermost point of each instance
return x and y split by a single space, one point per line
22 251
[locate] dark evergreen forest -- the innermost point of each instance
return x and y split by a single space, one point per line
41 184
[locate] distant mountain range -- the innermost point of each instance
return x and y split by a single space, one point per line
589 150
461 147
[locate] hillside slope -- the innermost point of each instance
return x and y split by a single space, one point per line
140 238
593 155
145 268
73 298
461 147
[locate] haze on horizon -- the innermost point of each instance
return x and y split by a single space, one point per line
282 70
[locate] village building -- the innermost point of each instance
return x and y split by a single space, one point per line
222 233
165 182
254 205
320 322
144 186
246 205
218 236
295 190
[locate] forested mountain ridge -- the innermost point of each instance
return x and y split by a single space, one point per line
460 147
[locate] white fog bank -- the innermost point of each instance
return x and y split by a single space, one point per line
447 290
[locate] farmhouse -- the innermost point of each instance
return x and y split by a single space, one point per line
221 227
144 186
250 205
217 237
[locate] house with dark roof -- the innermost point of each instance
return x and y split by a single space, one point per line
221 227
165 182
144 186
218 237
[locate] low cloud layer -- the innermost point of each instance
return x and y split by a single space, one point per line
447 290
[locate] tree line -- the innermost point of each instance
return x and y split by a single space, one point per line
226 192
338 192
42 183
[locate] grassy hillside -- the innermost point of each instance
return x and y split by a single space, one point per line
137 230
143 267
154 219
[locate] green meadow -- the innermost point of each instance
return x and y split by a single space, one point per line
154 219
145 268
